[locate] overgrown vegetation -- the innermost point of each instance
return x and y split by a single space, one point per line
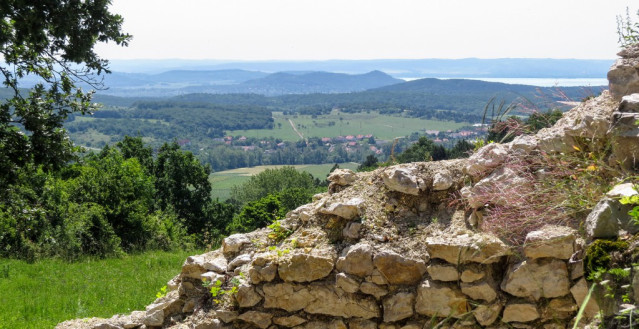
627 30
556 189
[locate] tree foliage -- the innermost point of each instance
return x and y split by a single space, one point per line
52 40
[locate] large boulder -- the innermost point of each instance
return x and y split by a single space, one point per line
541 278
439 299
623 77
404 179
398 306
625 133
234 243
347 210
306 267
464 248
550 241
486 159
398 269
607 218
520 312
342 177
259 319
357 260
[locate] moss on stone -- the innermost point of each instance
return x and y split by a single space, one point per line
598 254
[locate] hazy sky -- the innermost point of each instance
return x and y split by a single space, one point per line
367 29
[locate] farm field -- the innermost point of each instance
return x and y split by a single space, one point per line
340 124
222 182
44 293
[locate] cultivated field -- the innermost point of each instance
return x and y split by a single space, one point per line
340 124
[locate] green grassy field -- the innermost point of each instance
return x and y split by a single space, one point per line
381 126
47 292
222 182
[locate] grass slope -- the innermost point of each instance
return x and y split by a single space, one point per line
47 292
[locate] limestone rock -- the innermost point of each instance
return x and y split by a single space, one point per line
370 288
621 190
523 144
347 283
286 296
559 308
106 326
217 264
550 241
193 267
461 249
472 273
335 324
247 296
351 231
443 272
154 318
342 177
347 210
404 179
134 320
376 277
398 306
484 191
212 277
607 218
211 324
398 269
263 268
362 324
356 260
623 78
438 299
484 290
547 278
259 319
487 158
579 292
225 315
520 312
442 181
233 243
328 301
303 267
239 261
318 299
487 314
289 321
625 140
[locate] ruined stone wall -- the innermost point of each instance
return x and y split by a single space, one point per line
396 248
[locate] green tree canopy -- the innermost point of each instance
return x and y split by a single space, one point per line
53 41
272 181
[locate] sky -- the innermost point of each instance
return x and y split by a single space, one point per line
367 29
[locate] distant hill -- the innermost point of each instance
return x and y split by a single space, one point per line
398 68
179 82
316 82
455 86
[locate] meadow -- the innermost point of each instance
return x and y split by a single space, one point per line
337 123
222 182
42 294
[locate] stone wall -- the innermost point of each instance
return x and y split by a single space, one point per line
395 248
